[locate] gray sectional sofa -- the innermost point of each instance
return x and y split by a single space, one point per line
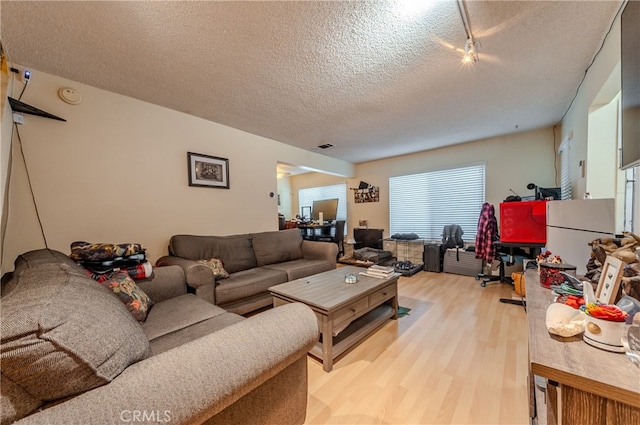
72 353
255 261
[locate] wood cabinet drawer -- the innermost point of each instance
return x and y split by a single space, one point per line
350 312
382 295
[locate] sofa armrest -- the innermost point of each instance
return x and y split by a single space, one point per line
315 250
164 283
196 274
198 380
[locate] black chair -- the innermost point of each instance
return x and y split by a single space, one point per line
337 237
502 258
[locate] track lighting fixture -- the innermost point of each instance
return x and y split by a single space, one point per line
470 55
470 46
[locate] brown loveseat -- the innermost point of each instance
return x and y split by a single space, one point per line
73 354
254 261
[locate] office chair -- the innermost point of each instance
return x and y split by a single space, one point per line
503 259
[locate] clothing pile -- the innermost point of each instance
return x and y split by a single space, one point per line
626 249
102 260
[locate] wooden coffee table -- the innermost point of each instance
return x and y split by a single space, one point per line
347 313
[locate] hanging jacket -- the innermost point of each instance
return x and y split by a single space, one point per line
487 234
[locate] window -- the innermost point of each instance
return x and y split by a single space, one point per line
565 170
308 195
425 203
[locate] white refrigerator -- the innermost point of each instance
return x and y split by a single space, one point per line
573 224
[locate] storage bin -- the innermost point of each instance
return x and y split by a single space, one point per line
461 262
524 221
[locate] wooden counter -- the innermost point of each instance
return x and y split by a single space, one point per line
584 384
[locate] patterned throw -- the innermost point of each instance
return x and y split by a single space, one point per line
98 252
137 272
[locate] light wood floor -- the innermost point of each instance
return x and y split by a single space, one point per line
459 357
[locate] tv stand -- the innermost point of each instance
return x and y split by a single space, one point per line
313 232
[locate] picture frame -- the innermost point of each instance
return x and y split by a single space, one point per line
208 171
610 279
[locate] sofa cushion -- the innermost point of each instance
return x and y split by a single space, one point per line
247 283
176 313
125 288
62 334
277 247
190 333
236 252
302 268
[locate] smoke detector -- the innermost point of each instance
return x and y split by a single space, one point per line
69 96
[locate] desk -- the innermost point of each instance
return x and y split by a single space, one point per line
314 232
584 385
534 250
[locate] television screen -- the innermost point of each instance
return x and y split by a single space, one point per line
630 93
328 208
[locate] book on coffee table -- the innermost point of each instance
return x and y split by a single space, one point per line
379 271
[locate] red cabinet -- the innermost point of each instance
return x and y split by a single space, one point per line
524 221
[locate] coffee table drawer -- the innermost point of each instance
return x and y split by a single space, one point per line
350 312
382 295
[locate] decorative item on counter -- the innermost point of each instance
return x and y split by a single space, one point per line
550 273
562 320
604 326
351 278
609 312
609 283
573 301
547 257
571 286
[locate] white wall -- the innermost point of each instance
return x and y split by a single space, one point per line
286 198
602 152
116 172
511 161
576 121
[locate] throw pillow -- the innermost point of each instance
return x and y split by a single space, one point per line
130 294
216 267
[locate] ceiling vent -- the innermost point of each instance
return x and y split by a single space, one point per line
325 146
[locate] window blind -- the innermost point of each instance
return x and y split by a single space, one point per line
308 195
424 203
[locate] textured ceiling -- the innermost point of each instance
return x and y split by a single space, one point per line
373 78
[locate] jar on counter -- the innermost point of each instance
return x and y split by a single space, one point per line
550 273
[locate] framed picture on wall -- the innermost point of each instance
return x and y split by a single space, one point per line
208 171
